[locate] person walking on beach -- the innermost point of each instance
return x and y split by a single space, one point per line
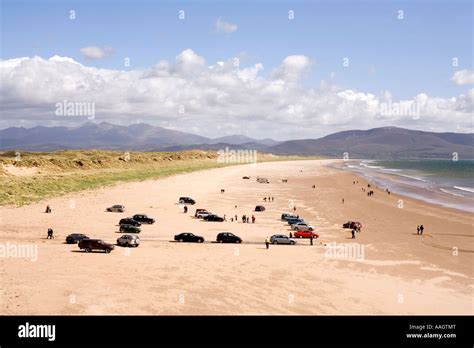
267 242
253 219
291 235
264 199
248 219
421 229
48 209
185 209
243 218
236 218
311 239
50 233
353 234
225 218
343 201
418 229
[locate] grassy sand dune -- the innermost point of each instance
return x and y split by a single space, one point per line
33 176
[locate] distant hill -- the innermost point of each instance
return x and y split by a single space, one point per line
108 137
380 143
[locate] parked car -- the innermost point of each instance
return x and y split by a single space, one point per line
128 240
303 227
203 214
227 237
129 229
259 208
246 177
95 244
118 208
299 224
286 216
143 219
129 221
294 221
352 224
186 200
188 237
213 217
281 239
75 238
198 211
305 234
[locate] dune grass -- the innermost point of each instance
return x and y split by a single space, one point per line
64 172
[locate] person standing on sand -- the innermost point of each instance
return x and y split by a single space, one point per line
267 242
421 229
243 218
185 209
236 218
353 234
248 219
291 235
343 201
311 239
418 229
264 199
253 219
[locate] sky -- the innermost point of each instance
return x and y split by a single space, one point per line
279 69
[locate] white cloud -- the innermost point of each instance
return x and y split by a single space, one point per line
225 27
292 68
463 77
95 53
218 98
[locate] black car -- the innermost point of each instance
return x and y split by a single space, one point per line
188 237
142 218
259 208
227 237
75 238
129 229
213 217
129 221
286 216
186 200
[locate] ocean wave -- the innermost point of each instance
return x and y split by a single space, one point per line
412 177
451 193
467 189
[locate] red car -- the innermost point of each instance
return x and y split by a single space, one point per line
305 234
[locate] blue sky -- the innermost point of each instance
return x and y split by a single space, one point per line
405 56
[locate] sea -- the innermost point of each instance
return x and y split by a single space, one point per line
447 183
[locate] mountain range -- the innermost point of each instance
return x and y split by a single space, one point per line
382 143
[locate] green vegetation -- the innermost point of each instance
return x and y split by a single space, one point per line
31 177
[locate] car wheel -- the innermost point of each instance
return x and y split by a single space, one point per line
88 250
200 241
220 241
181 240
107 251
300 237
292 243
239 241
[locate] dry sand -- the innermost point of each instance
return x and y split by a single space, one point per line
398 272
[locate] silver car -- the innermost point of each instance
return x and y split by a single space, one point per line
128 240
282 239
302 226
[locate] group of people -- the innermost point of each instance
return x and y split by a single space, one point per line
48 209
268 199
246 219
50 234
420 229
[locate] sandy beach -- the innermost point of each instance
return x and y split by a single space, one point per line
394 272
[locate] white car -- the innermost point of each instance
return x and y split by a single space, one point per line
203 214
128 240
302 228
298 225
